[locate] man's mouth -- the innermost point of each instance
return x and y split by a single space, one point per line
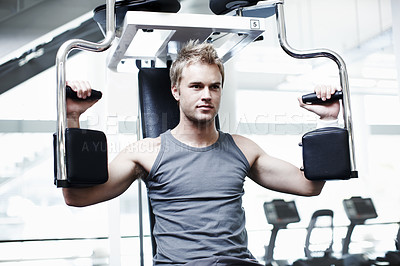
205 107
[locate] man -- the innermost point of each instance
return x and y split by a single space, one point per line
194 173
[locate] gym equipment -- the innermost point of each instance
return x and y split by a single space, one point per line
121 7
229 34
327 259
85 150
95 95
391 257
344 83
326 154
247 8
311 98
326 151
158 112
157 36
343 167
80 141
312 225
279 213
335 141
358 210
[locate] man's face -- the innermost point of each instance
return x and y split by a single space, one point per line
199 92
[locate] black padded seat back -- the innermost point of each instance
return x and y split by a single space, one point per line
159 112
159 109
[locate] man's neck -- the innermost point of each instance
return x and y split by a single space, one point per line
196 135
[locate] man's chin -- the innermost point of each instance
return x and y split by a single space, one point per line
203 120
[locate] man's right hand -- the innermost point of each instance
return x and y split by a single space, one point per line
76 108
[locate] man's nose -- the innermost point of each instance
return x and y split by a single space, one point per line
206 96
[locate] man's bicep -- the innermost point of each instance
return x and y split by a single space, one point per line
123 170
278 175
264 170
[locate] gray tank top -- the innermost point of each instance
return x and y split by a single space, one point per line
196 195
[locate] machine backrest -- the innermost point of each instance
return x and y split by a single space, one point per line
159 109
158 112
220 7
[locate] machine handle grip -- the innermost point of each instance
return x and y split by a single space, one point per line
312 98
95 95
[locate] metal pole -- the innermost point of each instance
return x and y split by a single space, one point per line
61 59
139 135
344 83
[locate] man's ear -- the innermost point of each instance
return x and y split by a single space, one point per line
175 93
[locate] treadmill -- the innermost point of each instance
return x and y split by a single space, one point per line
279 213
358 210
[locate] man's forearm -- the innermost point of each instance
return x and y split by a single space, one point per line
73 121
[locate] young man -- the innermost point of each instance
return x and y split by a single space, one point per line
194 173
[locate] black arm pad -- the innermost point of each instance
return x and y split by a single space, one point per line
86 158
326 154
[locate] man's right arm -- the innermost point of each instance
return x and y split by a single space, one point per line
122 171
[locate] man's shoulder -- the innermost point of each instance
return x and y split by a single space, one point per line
250 149
144 152
147 145
241 140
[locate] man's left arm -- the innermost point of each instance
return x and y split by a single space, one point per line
274 173
282 176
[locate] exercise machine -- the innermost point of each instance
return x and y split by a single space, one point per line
358 210
319 257
229 34
154 38
391 257
279 213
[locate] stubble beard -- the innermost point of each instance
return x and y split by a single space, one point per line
200 121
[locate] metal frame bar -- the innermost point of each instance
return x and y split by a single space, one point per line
344 82
139 135
61 58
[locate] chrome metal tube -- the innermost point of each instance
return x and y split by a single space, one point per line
344 82
139 135
61 59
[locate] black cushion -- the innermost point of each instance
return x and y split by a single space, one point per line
86 158
159 112
326 154
159 109
121 7
221 7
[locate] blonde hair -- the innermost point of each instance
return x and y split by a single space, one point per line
194 52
